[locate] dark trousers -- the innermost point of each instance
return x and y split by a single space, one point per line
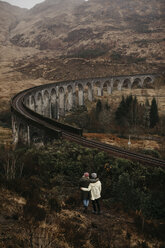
96 205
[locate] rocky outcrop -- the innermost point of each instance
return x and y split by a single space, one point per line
9 18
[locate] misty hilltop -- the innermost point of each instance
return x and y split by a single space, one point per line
110 28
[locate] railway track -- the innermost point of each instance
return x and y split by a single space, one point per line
116 151
19 107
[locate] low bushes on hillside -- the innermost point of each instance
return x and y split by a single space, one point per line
59 167
88 52
137 187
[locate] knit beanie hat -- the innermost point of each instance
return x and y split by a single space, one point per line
86 174
94 175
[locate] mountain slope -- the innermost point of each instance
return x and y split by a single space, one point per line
125 31
9 18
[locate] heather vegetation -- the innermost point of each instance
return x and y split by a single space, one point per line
128 59
123 181
87 52
48 179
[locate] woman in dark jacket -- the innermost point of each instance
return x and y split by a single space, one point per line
85 195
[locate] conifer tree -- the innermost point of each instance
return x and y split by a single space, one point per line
129 109
147 114
141 114
135 110
98 108
120 114
154 117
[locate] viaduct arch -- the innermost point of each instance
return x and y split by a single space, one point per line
56 99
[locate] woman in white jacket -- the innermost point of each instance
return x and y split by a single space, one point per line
95 188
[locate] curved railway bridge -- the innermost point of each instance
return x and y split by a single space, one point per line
35 112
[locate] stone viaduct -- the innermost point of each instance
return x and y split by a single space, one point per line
56 99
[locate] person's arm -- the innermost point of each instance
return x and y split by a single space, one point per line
86 189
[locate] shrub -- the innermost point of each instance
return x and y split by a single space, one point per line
126 192
75 231
89 53
132 185
73 200
136 187
152 153
153 205
55 204
32 211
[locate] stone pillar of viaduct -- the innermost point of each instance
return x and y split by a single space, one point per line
55 100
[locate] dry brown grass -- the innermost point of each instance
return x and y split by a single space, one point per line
121 142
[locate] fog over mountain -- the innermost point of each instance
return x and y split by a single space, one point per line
24 4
